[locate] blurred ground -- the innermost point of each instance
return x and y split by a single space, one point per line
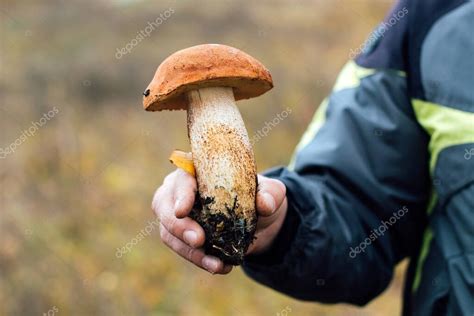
78 185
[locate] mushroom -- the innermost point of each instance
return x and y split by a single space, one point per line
206 80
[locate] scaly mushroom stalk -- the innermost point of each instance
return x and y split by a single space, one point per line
225 172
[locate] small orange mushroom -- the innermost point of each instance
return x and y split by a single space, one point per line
183 160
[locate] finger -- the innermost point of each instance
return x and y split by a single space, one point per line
184 193
162 204
227 268
185 229
196 256
270 195
163 195
267 229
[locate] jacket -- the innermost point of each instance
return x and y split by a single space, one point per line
385 171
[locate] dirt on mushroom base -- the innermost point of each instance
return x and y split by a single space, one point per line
228 236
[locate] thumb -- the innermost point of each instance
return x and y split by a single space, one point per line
270 195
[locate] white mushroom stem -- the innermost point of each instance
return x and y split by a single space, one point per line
222 153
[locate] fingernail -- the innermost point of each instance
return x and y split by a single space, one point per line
210 264
270 201
190 237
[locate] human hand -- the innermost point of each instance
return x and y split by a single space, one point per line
174 199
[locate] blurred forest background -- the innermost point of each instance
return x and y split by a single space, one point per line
81 185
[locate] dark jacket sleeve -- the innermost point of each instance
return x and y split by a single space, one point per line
357 190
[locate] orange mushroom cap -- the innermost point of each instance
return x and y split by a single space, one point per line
208 65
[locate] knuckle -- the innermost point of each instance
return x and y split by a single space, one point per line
168 180
167 217
265 183
154 206
281 187
156 199
163 235
189 253
278 186
163 230
173 225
